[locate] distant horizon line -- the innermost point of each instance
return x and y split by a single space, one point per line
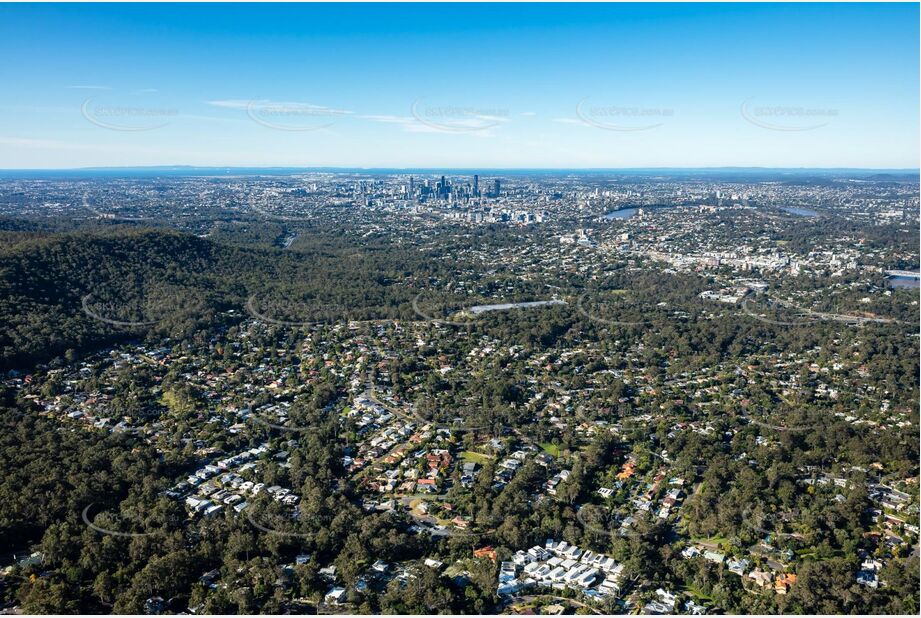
448 168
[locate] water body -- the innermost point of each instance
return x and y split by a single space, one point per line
478 309
800 212
904 282
623 213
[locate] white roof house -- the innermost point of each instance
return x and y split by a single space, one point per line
557 574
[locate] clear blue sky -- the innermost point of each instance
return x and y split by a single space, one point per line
461 85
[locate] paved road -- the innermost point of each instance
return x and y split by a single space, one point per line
839 317
804 313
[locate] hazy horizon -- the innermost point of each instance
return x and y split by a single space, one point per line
181 167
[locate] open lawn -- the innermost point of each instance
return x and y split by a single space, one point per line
698 594
713 541
477 458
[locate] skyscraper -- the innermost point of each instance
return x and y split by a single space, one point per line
497 188
476 185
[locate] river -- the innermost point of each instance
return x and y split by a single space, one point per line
800 212
903 282
623 213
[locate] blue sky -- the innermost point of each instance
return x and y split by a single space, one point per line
460 85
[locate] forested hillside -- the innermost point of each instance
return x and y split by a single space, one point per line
54 288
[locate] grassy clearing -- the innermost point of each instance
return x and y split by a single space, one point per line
719 541
698 594
477 458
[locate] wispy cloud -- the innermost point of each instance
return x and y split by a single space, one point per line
230 103
266 104
387 118
205 118
407 123
479 124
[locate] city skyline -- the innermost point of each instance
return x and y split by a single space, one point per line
472 87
